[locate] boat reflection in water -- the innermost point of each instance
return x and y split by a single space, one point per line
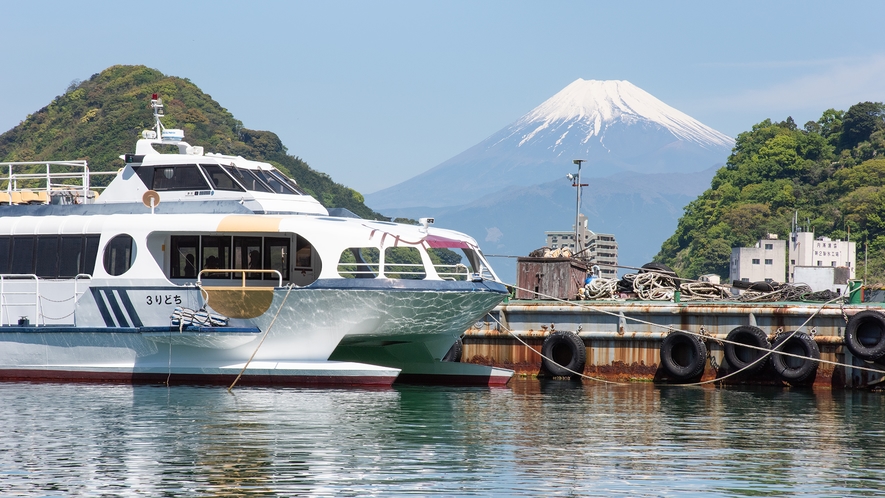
532 439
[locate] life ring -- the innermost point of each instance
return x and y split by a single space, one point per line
454 353
564 353
796 371
683 356
865 335
741 357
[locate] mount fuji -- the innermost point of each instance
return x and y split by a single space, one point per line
644 162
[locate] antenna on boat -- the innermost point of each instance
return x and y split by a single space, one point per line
160 131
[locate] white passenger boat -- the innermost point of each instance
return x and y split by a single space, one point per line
193 267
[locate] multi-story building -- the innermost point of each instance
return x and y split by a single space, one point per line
821 263
766 261
599 248
805 250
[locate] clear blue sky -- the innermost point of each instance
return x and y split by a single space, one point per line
373 93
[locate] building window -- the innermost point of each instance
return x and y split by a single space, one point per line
769 261
769 247
819 263
755 261
833 263
745 279
792 261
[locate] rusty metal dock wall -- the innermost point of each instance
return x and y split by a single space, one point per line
623 339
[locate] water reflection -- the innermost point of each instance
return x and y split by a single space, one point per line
533 438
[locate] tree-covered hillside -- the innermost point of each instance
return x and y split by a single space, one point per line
831 172
100 119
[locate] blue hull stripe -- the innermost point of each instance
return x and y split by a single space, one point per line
127 303
102 307
115 307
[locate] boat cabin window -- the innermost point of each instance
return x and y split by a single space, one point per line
172 177
215 254
48 256
359 262
274 183
248 179
184 257
286 180
247 255
22 255
193 253
119 254
219 178
403 263
452 264
276 256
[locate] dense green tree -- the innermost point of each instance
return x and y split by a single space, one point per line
829 173
860 122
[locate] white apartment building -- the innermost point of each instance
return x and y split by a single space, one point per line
805 250
766 261
822 263
601 248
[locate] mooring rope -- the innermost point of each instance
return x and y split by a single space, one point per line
670 329
263 337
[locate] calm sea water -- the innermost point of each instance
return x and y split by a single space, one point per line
530 439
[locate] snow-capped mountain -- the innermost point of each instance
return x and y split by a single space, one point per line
645 161
588 109
614 125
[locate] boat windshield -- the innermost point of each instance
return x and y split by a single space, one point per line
248 179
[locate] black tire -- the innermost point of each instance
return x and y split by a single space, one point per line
683 356
567 352
762 286
741 357
796 371
454 353
865 335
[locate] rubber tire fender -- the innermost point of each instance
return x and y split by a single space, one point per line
565 349
454 353
795 370
739 357
683 356
861 328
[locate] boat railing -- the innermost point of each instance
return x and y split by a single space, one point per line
407 271
452 272
359 270
457 272
33 299
23 185
24 303
243 272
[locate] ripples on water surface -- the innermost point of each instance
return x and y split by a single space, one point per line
531 439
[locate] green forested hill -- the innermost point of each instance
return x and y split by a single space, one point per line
100 119
831 172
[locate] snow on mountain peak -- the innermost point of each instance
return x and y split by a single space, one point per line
598 104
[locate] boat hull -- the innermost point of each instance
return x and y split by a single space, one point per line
290 344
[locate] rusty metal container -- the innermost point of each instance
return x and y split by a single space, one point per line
546 278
